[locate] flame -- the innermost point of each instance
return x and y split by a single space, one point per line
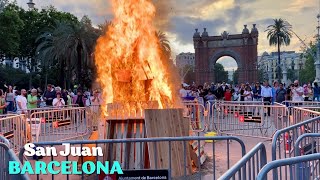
129 59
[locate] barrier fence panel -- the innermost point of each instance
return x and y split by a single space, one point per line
301 168
198 116
94 112
7 155
299 114
301 103
13 129
250 120
62 124
149 153
284 140
249 165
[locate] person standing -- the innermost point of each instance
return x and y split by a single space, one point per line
257 92
3 104
49 95
297 92
22 102
58 101
281 94
316 92
32 99
10 99
247 94
274 90
266 93
79 99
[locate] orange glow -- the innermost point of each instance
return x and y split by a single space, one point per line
129 60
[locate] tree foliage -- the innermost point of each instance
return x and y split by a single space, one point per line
10 25
219 73
279 33
308 73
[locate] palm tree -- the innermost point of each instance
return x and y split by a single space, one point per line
52 49
70 44
279 34
164 44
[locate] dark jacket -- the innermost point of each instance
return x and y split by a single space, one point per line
47 95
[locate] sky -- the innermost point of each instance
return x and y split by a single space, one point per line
179 18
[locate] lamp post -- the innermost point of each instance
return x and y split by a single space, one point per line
31 4
300 67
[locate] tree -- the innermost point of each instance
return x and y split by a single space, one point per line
236 77
279 34
308 73
10 24
164 44
219 73
70 44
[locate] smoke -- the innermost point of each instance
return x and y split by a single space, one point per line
164 12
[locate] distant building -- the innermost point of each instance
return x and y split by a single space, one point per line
184 59
17 63
268 63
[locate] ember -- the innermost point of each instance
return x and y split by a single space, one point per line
129 60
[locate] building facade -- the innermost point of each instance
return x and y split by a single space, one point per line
17 63
291 62
184 59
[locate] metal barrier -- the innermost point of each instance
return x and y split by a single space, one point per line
13 129
300 103
139 153
250 120
307 144
7 155
62 124
301 168
198 116
249 165
283 140
95 115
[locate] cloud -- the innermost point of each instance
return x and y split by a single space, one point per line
184 27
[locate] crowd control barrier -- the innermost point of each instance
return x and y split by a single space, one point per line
249 165
161 154
249 120
301 103
307 144
198 116
58 124
299 168
284 140
13 130
7 155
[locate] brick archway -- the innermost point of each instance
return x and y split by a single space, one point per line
241 47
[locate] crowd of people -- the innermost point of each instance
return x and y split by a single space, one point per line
277 92
19 101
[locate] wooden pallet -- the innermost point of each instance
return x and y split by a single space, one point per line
129 155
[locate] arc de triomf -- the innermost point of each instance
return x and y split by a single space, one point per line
242 47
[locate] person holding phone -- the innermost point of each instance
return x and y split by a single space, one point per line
58 101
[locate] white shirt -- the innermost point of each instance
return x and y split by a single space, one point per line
249 97
295 96
266 91
59 103
23 101
183 93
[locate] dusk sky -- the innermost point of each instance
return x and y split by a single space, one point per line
181 17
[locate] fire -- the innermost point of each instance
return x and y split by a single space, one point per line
129 60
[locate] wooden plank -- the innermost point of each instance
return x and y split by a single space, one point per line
168 123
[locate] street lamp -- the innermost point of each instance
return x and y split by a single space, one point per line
31 4
300 67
